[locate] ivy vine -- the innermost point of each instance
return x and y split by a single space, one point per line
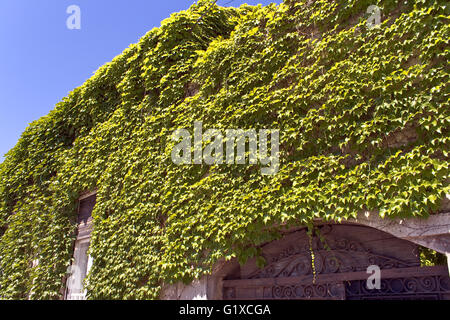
364 125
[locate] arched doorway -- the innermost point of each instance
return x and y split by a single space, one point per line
341 260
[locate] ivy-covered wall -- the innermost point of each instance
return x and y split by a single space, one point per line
363 116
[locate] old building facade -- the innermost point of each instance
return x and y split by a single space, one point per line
332 264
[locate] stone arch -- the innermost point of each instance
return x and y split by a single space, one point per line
432 232
397 257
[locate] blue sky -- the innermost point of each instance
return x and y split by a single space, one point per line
41 60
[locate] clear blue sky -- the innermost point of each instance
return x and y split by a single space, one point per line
41 60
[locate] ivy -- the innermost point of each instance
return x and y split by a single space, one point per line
364 125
